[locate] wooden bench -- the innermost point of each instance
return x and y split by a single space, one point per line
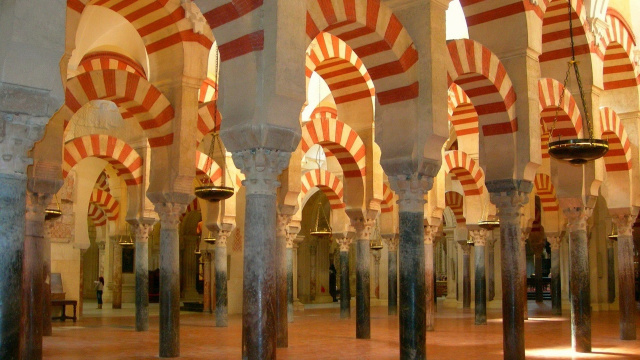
63 304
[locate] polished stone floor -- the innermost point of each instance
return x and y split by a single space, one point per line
319 333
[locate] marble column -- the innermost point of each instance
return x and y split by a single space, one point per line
345 294
220 263
579 286
491 272
169 214
261 168
282 321
313 268
47 329
207 304
556 287
141 232
510 196
376 255
466 273
290 238
479 237
363 228
611 272
412 320
626 284
32 276
116 299
429 284
524 235
537 244
392 274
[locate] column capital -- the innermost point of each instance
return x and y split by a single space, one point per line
282 224
554 242
18 133
624 223
141 232
479 236
363 227
392 241
464 246
411 191
223 235
101 245
261 168
430 234
344 244
577 215
36 203
169 214
509 205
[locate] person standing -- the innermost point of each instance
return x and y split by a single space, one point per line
99 287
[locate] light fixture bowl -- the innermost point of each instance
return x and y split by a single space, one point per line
489 224
50 214
321 232
578 151
613 237
210 240
376 246
214 193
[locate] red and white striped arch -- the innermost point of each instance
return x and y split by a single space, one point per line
462 113
106 202
555 30
160 23
194 205
119 154
209 120
619 70
206 166
618 158
324 113
484 79
135 97
108 60
340 68
466 170
547 192
328 183
103 182
481 12
569 123
96 215
208 91
455 201
387 199
341 140
544 143
377 37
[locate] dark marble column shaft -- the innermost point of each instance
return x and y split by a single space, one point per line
142 276
429 284
282 333
393 281
290 281
345 294
509 204
412 286
491 277
480 240
466 277
12 230
169 278
579 284
116 299
47 329
32 277
538 264
611 273
556 287
207 303
626 281
524 235
220 264
363 322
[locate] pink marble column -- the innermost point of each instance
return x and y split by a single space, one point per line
479 237
116 300
626 284
429 235
556 287
206 297
282 323
524 235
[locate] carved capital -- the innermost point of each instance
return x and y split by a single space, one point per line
141 232
101 245
392 242
624 223
363 227
193 14
411 191
577 217
479 236
598 29
169 214
509 205
261 168
466 248
36 203
282 223
430 232
376 254
223 235
554 242
18 133
344 243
